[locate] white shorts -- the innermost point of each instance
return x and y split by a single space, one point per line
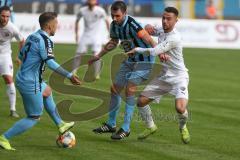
86 43
159 86
6 66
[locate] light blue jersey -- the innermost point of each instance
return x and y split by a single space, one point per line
37 51
128 34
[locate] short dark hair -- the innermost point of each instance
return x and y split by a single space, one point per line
171 10
5 8
119 5
46 17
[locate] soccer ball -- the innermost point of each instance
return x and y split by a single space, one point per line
66 140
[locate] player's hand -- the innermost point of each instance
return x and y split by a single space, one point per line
18 62
150 29
131 52
164 57
93 59
75 80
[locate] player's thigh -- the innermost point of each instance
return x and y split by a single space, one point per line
180 88
82 45
96 48
33 103
156 89
121 77
6 66
140 73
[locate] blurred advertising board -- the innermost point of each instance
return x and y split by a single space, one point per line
195 33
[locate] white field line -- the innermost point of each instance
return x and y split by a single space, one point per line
205 99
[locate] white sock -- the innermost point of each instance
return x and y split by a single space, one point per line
182 119
11 92
97 67
76 63
146 115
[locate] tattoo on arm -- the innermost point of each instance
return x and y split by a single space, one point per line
112 44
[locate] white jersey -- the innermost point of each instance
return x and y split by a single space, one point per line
173 78
6 34
169 43
93 20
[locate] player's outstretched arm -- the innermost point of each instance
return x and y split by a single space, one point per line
53 65
143 34
160 50
112 44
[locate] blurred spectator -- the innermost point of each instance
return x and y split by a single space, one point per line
92 37
8 3
211 11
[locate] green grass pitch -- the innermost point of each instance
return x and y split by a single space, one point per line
214 117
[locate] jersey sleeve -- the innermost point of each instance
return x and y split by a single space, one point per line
79 15
104 14
113 33
53 65
16 33
46 48
162 47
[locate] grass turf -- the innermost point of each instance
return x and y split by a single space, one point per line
214 117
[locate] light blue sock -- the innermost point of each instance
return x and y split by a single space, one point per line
129 109
51 109
114 109
20 127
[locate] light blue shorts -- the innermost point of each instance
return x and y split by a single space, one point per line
33 102
134 72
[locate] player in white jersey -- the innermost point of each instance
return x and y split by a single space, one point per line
94 17
7 32
173 78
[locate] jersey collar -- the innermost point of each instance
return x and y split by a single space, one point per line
124 22
43 32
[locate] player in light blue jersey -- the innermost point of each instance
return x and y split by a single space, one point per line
133 71
38 51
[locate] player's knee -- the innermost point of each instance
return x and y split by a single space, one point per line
140 102
37 118
181 105
130 90
47 92
180 109
143 101
8 79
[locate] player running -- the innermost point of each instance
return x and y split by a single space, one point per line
133 71
94 19
38 51
173 78
7 32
